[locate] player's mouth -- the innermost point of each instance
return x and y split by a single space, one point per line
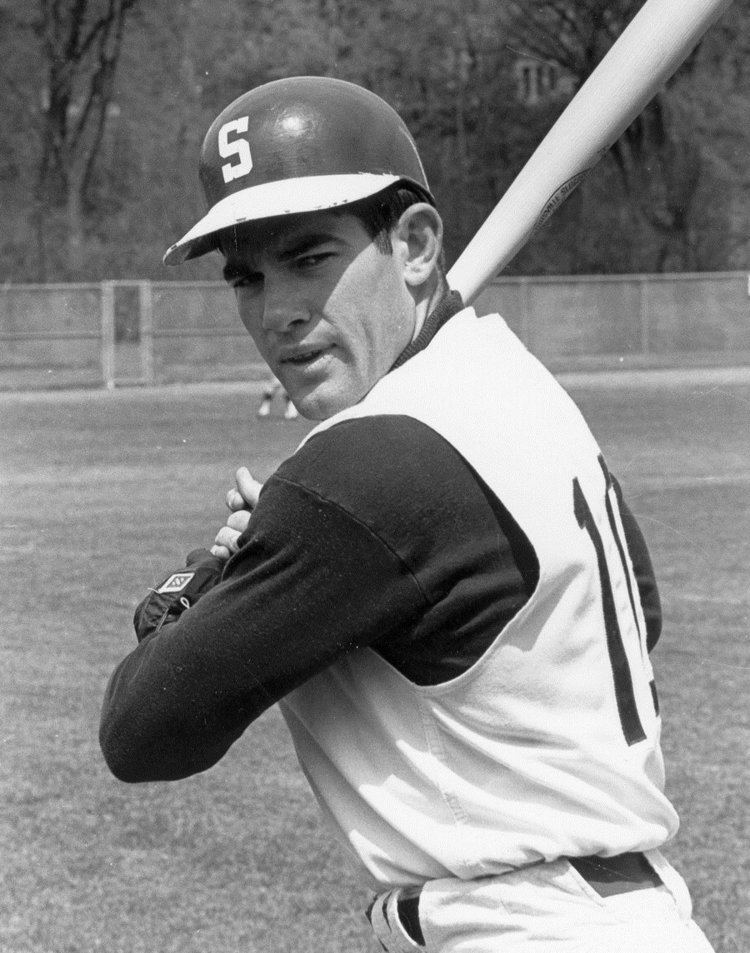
304 358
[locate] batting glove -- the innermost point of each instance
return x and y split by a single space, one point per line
177 592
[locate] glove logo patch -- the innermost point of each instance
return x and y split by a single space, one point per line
176 582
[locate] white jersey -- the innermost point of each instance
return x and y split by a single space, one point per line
549 744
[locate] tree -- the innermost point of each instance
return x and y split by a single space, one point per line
664 167
99 174
77 45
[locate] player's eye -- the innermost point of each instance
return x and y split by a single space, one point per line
308 262
252 279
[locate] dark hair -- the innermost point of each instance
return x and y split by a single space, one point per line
378 214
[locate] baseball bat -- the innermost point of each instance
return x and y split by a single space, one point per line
650 49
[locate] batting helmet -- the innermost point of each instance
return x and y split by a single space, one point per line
299 144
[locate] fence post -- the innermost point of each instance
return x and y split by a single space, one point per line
146 326
643 315
108 334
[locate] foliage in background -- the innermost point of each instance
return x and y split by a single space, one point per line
679 163
106 103
70 56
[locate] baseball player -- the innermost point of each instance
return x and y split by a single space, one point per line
451 603
271 389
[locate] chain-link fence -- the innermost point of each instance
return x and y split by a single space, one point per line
128 332
639 319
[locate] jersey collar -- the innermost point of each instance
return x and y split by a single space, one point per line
448 306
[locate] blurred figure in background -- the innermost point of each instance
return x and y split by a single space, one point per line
272 388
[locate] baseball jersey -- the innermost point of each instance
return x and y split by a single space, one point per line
449 609
548 744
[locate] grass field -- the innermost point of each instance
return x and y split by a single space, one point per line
103 493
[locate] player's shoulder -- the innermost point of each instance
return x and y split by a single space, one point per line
360 462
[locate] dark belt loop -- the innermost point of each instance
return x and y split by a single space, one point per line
407 908
610 876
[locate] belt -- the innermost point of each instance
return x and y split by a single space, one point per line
607 875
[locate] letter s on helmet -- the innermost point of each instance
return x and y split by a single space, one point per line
300 144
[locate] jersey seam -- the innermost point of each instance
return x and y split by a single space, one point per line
351 516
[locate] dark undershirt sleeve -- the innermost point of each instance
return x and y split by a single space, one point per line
304 589
325 567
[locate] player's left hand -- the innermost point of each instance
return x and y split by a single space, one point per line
178 592
241 500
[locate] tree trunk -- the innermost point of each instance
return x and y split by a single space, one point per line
80 56
75 230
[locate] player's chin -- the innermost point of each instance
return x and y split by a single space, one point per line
314 406
323 400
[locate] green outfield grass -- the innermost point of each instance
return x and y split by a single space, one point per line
104 493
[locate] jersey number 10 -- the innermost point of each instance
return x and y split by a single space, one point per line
624 692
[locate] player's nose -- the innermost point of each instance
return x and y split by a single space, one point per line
283 305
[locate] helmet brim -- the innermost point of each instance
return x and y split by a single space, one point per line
285 197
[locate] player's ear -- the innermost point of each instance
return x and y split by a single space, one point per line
418 240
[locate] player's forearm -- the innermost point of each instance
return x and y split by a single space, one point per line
147 733
159 718
287 606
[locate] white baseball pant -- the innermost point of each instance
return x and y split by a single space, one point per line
544 908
